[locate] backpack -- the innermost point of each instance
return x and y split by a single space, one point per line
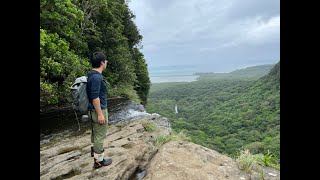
79 94
80 100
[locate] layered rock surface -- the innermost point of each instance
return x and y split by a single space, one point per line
131 144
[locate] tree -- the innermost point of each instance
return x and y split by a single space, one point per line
58 68
142 84
71 30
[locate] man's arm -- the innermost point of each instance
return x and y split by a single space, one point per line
97 107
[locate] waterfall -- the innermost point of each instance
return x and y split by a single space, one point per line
176 108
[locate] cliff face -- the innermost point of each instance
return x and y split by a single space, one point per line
132 143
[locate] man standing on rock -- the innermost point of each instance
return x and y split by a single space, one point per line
98 113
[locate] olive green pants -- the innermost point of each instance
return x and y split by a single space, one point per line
99 131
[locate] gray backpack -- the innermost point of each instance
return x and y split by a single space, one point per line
80 99
79 93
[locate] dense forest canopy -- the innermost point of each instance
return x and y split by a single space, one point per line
71 30
225 113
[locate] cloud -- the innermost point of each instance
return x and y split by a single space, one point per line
253 31
262 32
183 19
175 28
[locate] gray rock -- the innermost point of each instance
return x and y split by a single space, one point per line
131 147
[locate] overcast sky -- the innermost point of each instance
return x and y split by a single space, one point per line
221 35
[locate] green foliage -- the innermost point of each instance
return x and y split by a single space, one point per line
180 136
173 136
246 160
71 30
198 136
276 166
162 139
130 29
63 17
149 127
109 17
58 68
126 91
48 95
255 147
268 160
275 72
223 114
142 84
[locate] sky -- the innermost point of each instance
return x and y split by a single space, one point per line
214 35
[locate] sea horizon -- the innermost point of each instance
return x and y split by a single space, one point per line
188 73
175 73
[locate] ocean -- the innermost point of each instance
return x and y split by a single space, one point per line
186 73
172 74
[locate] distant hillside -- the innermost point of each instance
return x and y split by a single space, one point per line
274 72
256 111
226 113
254 72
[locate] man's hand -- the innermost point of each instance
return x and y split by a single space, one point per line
96 104
101 119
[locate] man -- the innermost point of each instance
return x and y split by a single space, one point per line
97 94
